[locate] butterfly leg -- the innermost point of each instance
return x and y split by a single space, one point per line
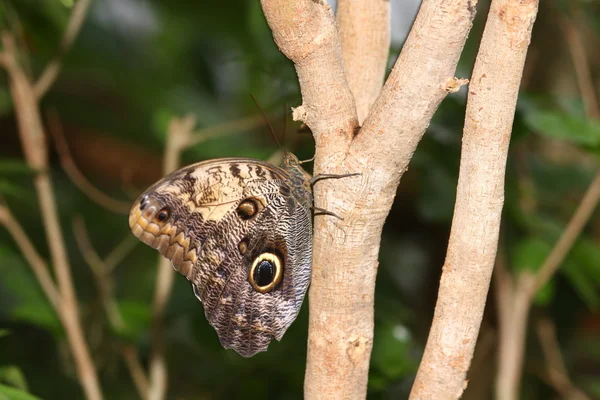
319 177
316 178
322 211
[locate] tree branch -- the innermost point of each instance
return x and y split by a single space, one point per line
76 176
345 252
473 240
512 338
364 29
178 137
52 69
34 147
37 263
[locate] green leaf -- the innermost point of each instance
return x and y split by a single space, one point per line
8 393
4 332
12 376
9 189
544 296
137 317
30 303
565 127
391 351
15 166
529 254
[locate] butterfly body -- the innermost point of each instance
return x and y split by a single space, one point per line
240 231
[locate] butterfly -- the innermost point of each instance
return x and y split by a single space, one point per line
240 230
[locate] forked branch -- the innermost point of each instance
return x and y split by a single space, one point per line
345 252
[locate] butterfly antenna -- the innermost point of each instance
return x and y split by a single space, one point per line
266 119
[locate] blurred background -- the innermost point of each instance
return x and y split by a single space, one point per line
136 65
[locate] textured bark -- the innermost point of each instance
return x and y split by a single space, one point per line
364 27
345 251
480 196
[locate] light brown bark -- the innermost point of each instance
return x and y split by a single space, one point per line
473 241
345 252
515 300
364 28
34 146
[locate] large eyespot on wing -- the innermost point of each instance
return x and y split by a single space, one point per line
266 272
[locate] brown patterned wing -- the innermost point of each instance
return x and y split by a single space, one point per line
240 231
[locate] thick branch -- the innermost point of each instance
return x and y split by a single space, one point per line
473 240
345 252
364 27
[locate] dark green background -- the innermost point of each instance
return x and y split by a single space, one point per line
138 63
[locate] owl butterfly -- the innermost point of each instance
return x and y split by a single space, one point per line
240 231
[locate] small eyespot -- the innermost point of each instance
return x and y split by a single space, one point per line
248 208
162 215
243 246
266 272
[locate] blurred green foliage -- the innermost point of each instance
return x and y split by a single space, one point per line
137 64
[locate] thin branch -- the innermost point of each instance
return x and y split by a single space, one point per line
38 265
76 176
178 137
364 27
227 128
511 346
34 147
557 376
584 211
512 337
101 273
475 228
582 67
130 356
52 69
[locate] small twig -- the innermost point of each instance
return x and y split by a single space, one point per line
100 271
178 138
38 265
557 374
34 147
226 128
130 356
76 176
52 69
570 234
582 67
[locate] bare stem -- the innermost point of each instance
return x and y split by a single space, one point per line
364 27
38 265
472 247
584 211
52 69
341 296
100 271
512 335
178 137
130 356
77 177
558 376
34 147
512 339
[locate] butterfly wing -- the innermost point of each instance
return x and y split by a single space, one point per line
240 231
